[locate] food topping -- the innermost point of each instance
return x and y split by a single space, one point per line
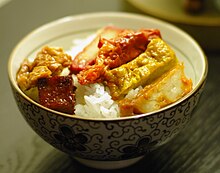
156 60
57 93
120 73
48 62
168 88
115 52
89 53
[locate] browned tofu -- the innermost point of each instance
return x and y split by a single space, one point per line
156 60
49 61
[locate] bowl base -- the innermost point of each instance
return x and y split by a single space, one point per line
108 165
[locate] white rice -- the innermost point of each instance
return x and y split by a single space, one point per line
133 92
94 101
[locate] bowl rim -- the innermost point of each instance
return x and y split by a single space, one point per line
107 14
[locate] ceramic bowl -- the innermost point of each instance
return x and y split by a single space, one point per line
108 143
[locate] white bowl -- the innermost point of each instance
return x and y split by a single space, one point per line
108 143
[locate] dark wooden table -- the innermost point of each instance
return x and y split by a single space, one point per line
195 150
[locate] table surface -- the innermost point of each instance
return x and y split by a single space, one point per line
195 150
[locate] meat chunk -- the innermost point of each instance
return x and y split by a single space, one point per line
167 89
115 52
57 93
89 53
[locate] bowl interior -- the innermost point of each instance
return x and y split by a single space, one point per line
63 32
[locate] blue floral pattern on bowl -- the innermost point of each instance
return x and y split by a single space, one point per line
109 140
